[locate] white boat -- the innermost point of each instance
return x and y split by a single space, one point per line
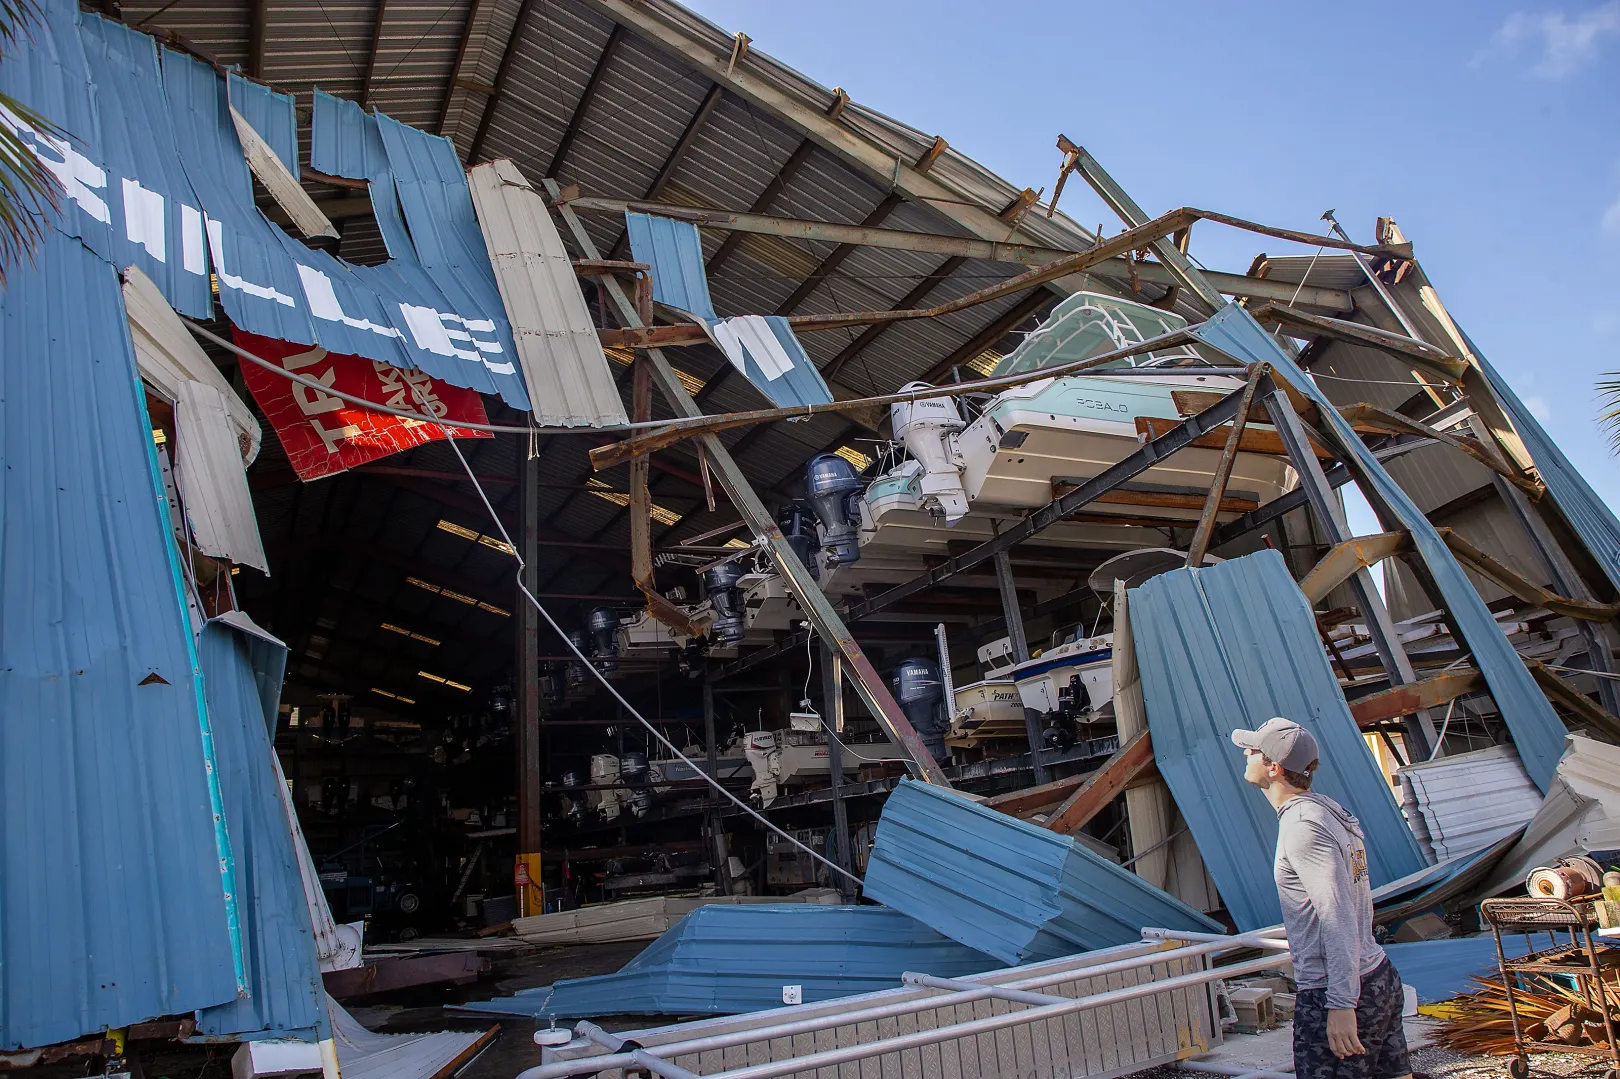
1042 681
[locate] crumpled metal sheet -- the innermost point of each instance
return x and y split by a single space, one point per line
1538 733
1005 887
764 349
1230 646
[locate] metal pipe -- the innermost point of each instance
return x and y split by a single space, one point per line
1260 938
637 1056
888 1011
834 1057
1018 996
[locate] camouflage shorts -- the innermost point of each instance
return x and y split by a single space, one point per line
1378 1024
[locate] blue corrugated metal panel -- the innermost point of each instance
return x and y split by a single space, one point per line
270 114
44 68
344 141
112 908
721 960
156 218
765 350
1005 887
1589 516
1231 646
1538 733
242 674
675 252
1442 969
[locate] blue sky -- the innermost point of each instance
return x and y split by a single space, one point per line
1489 131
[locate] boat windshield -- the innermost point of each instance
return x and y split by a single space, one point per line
1089 323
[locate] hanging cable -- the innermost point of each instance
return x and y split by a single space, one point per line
600 677
810 636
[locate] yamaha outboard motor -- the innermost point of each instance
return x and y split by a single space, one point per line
603 623
720 582
577 674
800 532
834 490
921 693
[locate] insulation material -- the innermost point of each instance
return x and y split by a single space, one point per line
1537 731
242 669
1006 887
213 486
1459 804
1166 852
1230 646
169 355
765 351
674 250
569 381
113 877
363 1054
323 434
283 185
720 960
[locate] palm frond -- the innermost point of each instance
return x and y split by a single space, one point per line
1608 390
29 192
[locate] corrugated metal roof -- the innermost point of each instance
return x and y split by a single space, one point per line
1230 646
674 250
721 960
1442 969
1459 804
1537 731
242 673
112 908
270 114
563 365
363 1054
1006 887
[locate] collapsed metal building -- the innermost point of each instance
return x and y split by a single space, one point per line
795 454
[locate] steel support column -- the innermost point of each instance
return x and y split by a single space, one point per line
1419 728
868 685
1020 647
832 716
526 686
718 854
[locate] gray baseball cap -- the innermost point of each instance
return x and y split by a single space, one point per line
1282 741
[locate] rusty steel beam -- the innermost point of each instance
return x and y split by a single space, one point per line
1401 701
928 284
1521 587
778 184
1223 472
454 78
1419 354
835 258
371 54
258 34
1349 558
592 86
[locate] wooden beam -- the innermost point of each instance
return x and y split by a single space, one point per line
1173 500
1103 785
1214 503
502 73
1253 440
1030 800
1349 558
1399 701
592 86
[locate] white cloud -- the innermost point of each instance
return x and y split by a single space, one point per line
1538 407
1563 44
1611 218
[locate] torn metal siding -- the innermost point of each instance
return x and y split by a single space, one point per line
764 349
1005 887
213 485
1538 733
113 905
569 382
167 355
674 250
242 672
345 141
1231 646
721 960
268 113
363 1054
1462 803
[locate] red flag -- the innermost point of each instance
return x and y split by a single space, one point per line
323 434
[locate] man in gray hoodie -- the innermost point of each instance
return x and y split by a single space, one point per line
1347 1015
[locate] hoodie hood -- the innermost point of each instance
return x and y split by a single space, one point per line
1345 817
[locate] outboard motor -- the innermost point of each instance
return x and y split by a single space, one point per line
928 429
833 490
720 582
921 693
633 768
577 674
800 532
603 623
605 773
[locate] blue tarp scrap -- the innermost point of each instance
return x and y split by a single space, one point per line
1538 733
1005 887
1230 646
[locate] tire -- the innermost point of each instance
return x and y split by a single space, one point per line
1519 1068
409 903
